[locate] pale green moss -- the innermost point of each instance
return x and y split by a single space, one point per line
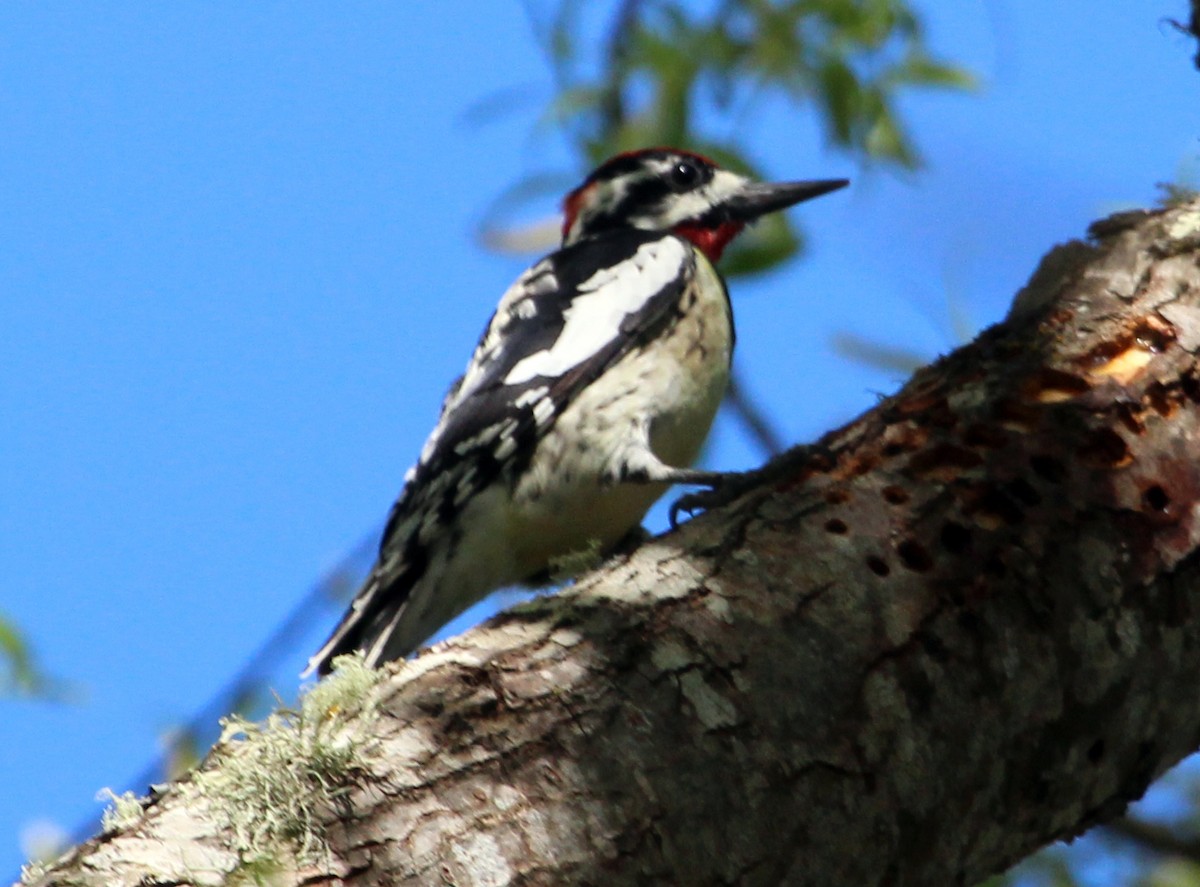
123 810
1186 225
570 565
256 873
274 781
34 871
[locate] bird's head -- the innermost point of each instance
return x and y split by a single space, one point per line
666 189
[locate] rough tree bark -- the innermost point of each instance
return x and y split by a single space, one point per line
959 628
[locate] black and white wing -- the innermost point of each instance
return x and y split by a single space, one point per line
558 328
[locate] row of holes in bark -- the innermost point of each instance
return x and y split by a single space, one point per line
954 538
1004 504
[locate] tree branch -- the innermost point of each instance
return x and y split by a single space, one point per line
753 420
1157 838
962 630
1191 28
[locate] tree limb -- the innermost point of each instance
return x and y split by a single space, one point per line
963 626
1155 837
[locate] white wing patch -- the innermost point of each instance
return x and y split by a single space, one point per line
517 302
533 395
594 316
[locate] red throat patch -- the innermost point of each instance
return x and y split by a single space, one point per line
710 241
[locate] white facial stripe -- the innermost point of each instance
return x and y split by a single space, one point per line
724 185
694 204
603 198
607 297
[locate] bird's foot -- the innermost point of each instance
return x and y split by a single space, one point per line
723 491
725 488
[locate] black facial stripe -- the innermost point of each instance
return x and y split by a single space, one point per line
641 196
644 162
715 218
645 197
627 163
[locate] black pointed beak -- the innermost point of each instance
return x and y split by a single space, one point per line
759 198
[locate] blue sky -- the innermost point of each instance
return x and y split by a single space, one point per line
239 269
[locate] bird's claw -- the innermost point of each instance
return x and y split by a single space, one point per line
725 488
722 492
689 502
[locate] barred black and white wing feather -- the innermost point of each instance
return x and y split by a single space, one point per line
560 403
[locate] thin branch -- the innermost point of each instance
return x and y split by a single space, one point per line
612 102
1159 838
752 418
1192 28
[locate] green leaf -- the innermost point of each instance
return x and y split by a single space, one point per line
886 140
841 95
20 674
920 69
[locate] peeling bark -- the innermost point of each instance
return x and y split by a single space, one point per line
957 629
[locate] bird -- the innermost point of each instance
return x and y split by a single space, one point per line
590 393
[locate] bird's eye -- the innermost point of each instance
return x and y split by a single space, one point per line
684 175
